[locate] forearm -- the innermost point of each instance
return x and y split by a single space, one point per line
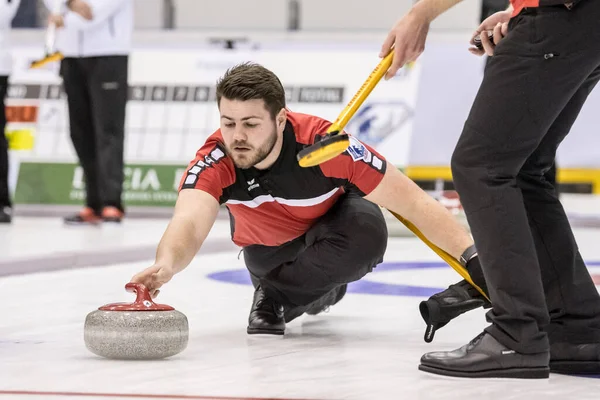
401 195
438 225
195 214
179 244
434 8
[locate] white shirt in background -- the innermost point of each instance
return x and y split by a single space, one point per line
8 9
109 33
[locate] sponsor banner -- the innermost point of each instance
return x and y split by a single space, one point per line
172 99
178 93
172 110
53 183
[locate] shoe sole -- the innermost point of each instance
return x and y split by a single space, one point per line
521 373
575 367
262 331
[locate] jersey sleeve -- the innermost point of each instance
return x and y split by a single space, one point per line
211 171
360 165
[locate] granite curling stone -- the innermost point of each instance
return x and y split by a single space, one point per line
142 330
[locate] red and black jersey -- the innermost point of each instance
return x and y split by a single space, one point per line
271 207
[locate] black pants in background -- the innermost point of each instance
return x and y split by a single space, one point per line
342 247
4 192
532 92
97 92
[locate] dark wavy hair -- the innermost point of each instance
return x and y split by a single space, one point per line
249 81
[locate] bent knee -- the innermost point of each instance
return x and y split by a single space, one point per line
367 239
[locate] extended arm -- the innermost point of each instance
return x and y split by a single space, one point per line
194 215
399 194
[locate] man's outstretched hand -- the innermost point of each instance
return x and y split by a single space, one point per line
406 40
153 278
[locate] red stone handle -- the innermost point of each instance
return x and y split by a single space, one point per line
143 301
142 292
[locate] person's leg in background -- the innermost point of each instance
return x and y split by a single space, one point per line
5 201
312 273
83 136
497 140
109 91
572 299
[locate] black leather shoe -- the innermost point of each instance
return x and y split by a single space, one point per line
485 357
266 315
575 359
443 307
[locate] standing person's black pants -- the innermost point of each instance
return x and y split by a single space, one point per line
531 94
551 177
342 247
97 92
4 191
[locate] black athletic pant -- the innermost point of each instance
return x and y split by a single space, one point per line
531 94
97 91
551 177
342 247
4 192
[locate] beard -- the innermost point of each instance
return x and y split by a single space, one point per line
251 156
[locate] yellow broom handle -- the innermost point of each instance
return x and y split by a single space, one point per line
360 96
452 262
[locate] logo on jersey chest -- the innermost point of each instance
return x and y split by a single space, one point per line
252 184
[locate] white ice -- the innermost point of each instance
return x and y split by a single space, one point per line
366 347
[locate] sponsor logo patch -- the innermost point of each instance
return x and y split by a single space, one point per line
359 151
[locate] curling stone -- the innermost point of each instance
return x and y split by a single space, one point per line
142 330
